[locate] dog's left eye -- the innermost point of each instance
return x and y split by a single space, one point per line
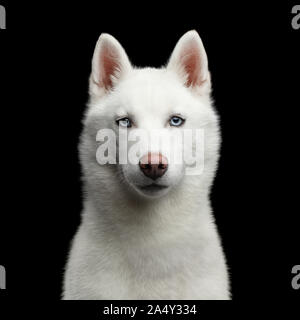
176 121
124 122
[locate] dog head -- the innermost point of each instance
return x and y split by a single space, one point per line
141 105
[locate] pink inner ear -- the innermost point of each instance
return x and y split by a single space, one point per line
191 61
109 62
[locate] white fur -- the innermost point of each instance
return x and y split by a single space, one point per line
132 245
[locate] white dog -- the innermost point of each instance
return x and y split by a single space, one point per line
147 229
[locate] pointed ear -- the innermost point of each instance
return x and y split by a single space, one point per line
109 65
189 61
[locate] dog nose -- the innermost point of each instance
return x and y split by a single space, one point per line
154 165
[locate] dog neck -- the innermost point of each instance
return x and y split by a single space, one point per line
117 215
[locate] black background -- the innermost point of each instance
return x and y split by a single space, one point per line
45 63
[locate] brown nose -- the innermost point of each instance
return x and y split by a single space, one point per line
154 165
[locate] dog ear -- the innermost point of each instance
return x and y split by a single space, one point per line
189 61
110 63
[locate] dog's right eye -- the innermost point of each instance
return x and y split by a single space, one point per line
124 122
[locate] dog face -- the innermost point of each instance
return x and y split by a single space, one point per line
155 107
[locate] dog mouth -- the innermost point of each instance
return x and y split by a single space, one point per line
153 187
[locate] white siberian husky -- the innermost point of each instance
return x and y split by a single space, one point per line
147 229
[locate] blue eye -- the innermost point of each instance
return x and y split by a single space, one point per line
124 122
176 121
